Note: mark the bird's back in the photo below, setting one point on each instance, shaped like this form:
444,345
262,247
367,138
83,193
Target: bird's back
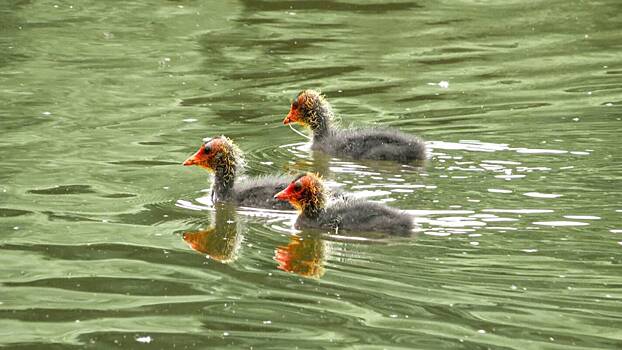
361,215
374,144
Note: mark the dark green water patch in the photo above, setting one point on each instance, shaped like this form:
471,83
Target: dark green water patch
370,8
151,143
45,345
92,252
64,189
143,163
52,216
111,285
120,195
7,212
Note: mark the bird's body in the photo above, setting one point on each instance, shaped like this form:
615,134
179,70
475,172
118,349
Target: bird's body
224,159
312,110
374,144
306,193
358,215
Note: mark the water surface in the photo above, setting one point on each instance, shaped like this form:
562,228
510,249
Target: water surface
518,210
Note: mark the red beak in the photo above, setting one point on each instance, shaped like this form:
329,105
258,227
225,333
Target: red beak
284,195
292,117
195,158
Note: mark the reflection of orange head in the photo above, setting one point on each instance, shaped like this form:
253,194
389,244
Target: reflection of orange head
303,256
219,245
305,193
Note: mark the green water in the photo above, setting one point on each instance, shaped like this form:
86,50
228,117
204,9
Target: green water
518,210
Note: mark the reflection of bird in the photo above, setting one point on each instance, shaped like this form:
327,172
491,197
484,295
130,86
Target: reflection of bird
303,255
220,242
306,193
222,157
312,110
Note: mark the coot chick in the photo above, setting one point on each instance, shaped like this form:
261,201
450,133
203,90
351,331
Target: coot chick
306,193
311,109
224,159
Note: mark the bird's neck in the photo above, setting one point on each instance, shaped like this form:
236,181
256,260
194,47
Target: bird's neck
319,121
222,189
314,206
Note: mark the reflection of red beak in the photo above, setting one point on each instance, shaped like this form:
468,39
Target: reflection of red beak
292,117
284,195
195,158
283,256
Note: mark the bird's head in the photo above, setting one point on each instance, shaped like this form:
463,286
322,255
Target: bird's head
310,109
216,154
305,193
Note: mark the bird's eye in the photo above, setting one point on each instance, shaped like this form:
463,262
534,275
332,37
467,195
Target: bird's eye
207,148
295,104
297,186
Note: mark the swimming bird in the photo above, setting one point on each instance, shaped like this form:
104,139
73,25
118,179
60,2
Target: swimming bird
312,110
307,194
224,159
